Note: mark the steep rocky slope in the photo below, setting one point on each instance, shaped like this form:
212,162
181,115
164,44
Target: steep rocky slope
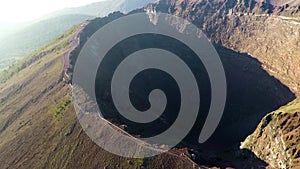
244,75
268,32
273,40
38,124
282,2
265,32
39,129
276,140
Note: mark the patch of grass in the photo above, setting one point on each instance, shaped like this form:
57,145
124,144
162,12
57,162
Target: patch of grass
135,163
293,106
61,107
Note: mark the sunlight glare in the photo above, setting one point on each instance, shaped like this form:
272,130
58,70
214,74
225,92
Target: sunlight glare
13,11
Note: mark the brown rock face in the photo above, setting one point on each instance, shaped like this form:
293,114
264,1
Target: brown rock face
268,31
272,40
282,2
42,118
276,140
248,27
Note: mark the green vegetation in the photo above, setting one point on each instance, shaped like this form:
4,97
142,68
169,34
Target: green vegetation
279,131
135,163
40,128
61,107
57,47
293,106
35,36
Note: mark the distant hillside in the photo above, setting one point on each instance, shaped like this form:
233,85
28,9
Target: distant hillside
259,48
8,28
35,36
29,38
103,8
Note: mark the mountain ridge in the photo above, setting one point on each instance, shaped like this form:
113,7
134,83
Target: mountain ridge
45,115
52,125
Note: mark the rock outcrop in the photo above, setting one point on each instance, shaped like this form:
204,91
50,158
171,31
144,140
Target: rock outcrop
266,32
276,140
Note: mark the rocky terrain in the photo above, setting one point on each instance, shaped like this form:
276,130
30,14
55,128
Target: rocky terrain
254,30
258,29
276,139
259,45
282,2
270,33
38,124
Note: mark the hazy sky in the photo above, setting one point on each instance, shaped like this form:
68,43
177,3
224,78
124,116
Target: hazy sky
14,11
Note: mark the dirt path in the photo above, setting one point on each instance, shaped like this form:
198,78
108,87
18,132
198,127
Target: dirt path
75,41
292,20
172,153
